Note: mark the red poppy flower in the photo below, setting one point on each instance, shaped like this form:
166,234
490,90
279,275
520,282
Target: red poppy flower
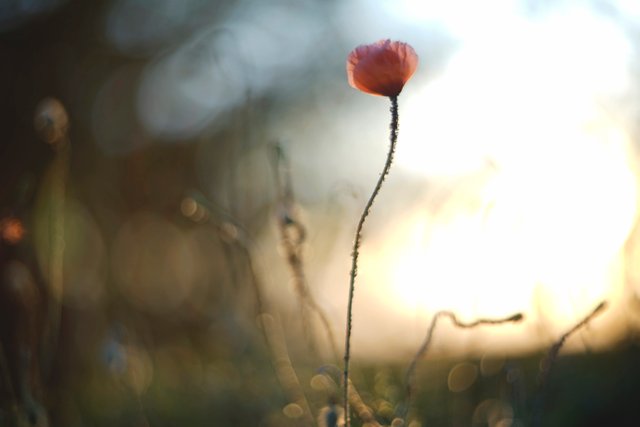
381,68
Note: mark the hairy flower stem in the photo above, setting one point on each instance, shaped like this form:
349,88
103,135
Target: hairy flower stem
393,138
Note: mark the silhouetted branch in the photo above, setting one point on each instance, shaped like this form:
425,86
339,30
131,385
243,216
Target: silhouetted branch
410,375
551,357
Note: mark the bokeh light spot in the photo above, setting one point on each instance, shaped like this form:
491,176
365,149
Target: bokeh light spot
462,376
293,410
12,230
155,263
494,413
320,383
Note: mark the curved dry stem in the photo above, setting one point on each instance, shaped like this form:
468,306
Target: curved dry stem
552,355
286,373
393,138
410,375
292,236
269,325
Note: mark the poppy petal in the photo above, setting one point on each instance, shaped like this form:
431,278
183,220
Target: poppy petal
381,68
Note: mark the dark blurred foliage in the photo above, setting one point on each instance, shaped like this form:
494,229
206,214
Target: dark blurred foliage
205,364
585,390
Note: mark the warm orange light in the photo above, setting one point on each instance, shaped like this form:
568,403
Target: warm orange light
381,68
12,230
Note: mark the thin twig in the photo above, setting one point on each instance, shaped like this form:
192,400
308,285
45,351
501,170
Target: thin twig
288,223
235,236
292,237
411,370
393,138
552,356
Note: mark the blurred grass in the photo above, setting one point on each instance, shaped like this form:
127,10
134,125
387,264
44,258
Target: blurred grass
584,390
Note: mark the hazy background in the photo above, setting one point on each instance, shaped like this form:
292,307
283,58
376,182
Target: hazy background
515,186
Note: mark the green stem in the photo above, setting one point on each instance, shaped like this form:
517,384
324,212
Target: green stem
393,138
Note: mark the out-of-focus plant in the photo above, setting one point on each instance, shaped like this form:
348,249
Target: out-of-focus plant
51,121
292,238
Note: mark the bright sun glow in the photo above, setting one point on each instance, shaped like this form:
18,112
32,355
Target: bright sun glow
555,227
544,225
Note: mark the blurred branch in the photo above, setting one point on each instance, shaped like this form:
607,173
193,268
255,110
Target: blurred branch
410,376
365,413
230,232
234,233
51,122
292,237
284,368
